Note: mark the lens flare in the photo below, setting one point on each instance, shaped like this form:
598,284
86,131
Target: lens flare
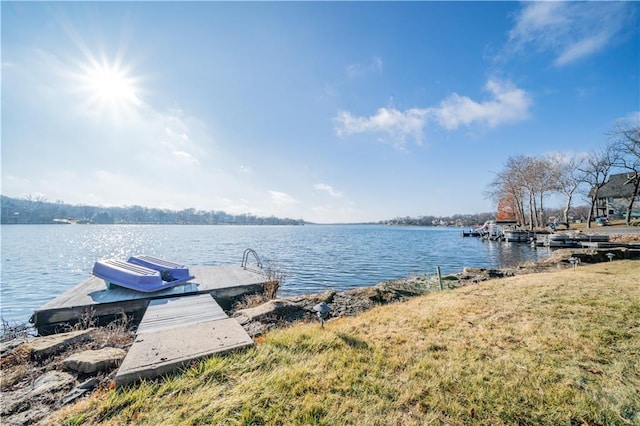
110,90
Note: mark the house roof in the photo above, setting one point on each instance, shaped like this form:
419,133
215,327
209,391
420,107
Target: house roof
618,186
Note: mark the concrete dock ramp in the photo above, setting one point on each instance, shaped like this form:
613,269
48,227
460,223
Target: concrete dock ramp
176,331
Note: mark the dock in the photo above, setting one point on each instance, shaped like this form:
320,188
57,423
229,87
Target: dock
570,240
606,244
176,331
92,299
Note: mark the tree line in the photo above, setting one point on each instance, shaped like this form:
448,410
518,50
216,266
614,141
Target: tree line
37,210
522,187
460,220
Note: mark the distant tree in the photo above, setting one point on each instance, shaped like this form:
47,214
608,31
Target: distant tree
507,185
543,183
595,170
580,212
525,181
87,212
567,176
102,218
35,209
625,139
506,209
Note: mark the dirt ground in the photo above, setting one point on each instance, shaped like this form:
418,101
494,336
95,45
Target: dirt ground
625,238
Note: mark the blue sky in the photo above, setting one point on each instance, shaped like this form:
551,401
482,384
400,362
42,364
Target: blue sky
326,111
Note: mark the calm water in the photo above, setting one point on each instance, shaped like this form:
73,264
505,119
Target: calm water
43,261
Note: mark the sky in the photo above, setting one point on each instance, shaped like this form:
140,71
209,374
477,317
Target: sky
331,112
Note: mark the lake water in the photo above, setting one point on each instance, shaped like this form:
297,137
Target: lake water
43,261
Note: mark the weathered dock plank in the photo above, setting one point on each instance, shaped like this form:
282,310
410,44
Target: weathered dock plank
92,297
176,331
162,314
596,245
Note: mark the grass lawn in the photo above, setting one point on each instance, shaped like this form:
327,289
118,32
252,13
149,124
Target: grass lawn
560,348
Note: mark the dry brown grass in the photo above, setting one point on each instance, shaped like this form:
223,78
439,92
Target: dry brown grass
274,277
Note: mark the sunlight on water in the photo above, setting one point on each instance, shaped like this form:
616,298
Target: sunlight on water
40,262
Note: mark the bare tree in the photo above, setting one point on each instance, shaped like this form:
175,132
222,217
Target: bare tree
567,176
507,187
595,172
525,182
527,174
537,181
543,182
514,186
625,139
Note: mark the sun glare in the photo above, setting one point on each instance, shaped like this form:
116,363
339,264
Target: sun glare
111,90
112,85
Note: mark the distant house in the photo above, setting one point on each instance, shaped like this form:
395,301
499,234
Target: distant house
614,196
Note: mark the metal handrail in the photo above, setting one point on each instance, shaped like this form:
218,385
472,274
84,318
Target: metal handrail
245,258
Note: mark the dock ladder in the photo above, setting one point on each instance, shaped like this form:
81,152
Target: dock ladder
245,258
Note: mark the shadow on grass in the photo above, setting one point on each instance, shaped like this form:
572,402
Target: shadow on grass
353,342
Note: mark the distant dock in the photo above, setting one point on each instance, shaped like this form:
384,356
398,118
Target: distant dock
92,299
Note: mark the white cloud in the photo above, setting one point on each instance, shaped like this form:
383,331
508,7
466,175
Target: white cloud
582,48
569,30
172,134
186,157
328,189
282,198
538,16
398,125
633,116
508,104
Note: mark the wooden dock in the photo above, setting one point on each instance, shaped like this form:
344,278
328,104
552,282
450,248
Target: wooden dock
91,298
606,244
177,331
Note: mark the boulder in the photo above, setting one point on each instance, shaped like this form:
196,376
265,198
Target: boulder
51,381
275,307
24,406
92,361
9,346
43,347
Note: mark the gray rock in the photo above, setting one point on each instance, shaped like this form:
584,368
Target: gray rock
91,361
31,404
89,384
46,346
278,307
27,417
73,395
256,328
473,271
8,346
51,381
